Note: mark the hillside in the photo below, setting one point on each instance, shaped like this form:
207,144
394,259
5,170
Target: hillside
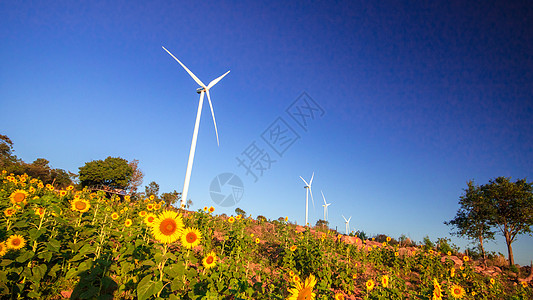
59,244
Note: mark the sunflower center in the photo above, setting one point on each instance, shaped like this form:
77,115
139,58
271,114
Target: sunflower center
15,242
457,291
191,237
305,294
19,197
209,259
80,205
168,226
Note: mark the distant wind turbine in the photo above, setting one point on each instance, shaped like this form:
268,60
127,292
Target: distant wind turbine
325,207
307,192
202,90
347,223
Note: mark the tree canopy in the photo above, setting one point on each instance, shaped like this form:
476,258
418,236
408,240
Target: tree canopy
500,204
113,171
473,218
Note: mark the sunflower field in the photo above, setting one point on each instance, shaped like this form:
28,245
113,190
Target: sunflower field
77,244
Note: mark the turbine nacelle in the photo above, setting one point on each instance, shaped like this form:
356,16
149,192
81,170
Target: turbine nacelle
200,90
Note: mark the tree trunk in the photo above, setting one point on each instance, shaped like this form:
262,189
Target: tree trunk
481,246
509,249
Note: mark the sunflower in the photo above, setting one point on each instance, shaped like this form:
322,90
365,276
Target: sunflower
152,197
385,281
127,198
388,239
295,278
63,193
128,223
257,240
39,211
205,208
150,206
370,285
211,209
238,217
3,249
492,281
466,258
303,290
191,237
293,248
354,276
114,216
18,196
291,273
524,284
286,219
9,212
167,227
15,242
149,219
396,253
457,291
339,296
70,188
437,290
209,260
80,205
142,213
452,272
157,206
231,219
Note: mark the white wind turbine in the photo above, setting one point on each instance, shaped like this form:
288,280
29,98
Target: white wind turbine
202,90
325,206
307,192
347,223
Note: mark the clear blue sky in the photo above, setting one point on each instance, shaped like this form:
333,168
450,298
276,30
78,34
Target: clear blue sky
418,98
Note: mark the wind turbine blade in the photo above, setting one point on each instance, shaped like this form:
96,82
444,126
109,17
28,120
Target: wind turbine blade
311,181
212,83
212,113
349,219
323,198
344,218
304,181
186,69
311,192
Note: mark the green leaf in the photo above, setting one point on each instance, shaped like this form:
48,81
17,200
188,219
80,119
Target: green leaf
25,256
53,245
71,273
147,288
5,262
38,272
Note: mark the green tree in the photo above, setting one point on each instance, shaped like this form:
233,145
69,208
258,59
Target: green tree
8,161
113,171
473,219
151,189
171,198
240,211
511,205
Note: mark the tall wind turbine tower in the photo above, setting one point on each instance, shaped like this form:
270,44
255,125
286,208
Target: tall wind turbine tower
202,90
347,223
307,192
325,205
